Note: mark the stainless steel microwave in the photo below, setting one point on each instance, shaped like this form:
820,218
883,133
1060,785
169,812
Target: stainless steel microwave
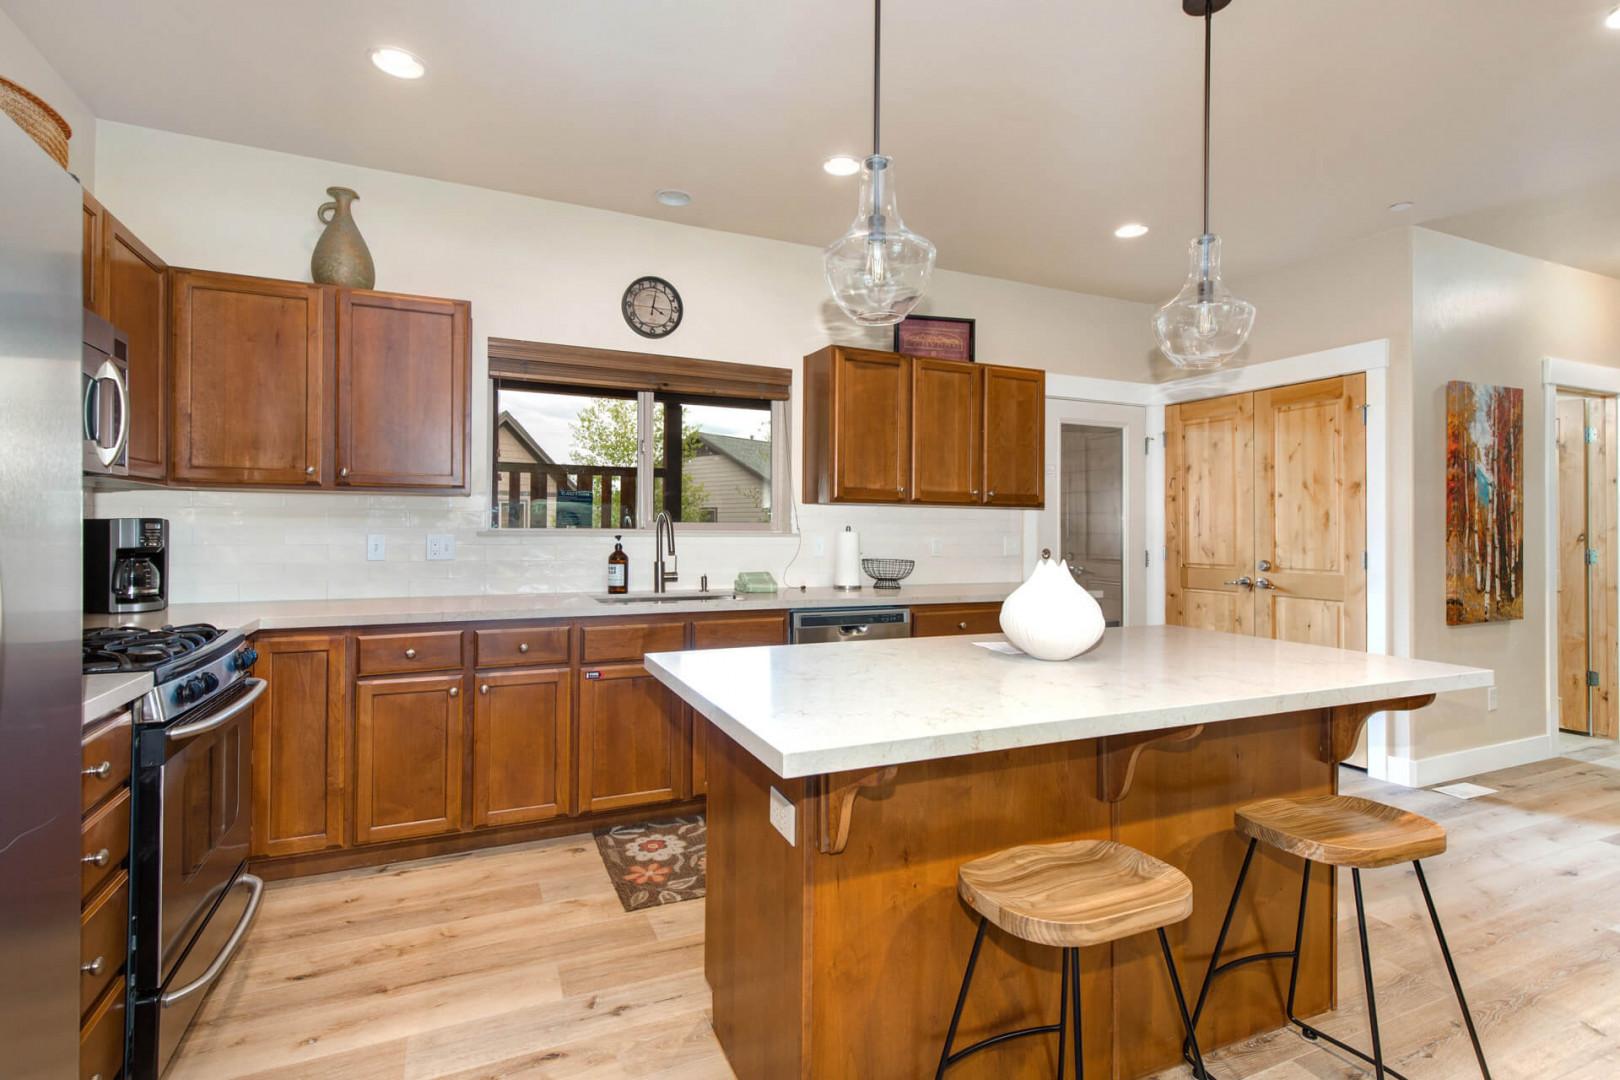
104,405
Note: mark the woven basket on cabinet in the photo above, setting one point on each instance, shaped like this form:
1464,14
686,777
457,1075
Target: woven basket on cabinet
42,123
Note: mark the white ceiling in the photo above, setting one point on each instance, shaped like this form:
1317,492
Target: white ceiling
1022,132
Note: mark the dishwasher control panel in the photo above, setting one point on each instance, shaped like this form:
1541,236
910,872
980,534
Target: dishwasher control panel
851,624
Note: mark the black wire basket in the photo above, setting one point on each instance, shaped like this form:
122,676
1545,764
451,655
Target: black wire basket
888,573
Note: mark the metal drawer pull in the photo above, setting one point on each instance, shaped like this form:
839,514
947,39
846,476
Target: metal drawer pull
100,772
100,858
232,943
961,625
523,646
483,688
309,470
94,967
410,654
455,691
256,687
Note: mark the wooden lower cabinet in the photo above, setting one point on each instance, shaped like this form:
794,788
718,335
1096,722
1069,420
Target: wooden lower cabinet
522,750
943,620
728,632
104,911
632,739
409,734
300,744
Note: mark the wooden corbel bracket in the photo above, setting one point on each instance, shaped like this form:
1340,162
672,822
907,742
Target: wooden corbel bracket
838,804
1117,756
1345,722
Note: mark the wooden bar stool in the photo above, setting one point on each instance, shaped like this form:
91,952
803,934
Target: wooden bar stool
1339,830
1070,895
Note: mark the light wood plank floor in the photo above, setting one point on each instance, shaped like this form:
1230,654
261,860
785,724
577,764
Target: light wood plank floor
520,963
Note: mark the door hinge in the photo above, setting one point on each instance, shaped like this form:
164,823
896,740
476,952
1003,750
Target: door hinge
1147,558
1147,445
1364,558
1364,409
1591,678
1591,435
1591,557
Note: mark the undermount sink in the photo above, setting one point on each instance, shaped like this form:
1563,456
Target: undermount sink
661,598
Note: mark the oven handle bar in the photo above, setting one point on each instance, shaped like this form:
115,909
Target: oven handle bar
255,687
256,885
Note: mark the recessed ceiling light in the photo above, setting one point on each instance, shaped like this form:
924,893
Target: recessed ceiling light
1400,207
673,197
1131,231
398,63
1613,20
841,165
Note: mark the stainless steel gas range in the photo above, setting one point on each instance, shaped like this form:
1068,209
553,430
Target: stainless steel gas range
191,898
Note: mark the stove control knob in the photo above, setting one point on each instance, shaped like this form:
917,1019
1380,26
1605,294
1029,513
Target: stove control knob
246,658
190,690
210,682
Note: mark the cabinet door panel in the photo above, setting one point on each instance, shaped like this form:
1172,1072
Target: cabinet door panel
93,253
1014,436
631,739
249,380
522,757
137,302
871,425
1209,514
300,745
409,732
727,632
946,431
402,391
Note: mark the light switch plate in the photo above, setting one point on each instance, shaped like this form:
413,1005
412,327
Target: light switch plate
784,817
936,546
376,547
1491,699
441,546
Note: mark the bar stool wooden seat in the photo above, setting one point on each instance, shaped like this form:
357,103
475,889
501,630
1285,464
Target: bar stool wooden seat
1338,830
1070,895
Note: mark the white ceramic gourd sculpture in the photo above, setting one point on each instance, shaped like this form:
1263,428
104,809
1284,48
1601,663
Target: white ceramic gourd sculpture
1050,616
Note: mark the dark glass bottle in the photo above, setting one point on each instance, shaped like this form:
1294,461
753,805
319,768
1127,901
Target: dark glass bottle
618,568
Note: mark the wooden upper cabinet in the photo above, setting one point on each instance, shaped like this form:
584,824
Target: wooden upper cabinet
402,382
858,426
1014,436
946,435
93,254
522,750
632,739
300,746
409,736
135,295
251,380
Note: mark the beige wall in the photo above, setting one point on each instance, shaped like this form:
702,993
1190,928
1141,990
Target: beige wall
24,65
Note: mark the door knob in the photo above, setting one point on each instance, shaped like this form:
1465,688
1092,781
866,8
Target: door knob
1263,565
1243,581
1262,583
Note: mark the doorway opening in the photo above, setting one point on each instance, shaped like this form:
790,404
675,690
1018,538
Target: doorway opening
1584,435
1091,489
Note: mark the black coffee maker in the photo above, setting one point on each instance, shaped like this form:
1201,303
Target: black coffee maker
126,565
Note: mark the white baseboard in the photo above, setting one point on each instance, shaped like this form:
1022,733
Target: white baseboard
1444,768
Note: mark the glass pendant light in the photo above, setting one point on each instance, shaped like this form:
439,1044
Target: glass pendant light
879,269
1205,324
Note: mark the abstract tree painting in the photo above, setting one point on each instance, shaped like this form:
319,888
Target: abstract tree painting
1484,503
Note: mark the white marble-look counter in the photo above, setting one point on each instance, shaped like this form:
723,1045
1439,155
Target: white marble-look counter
106,694
251,617
809,709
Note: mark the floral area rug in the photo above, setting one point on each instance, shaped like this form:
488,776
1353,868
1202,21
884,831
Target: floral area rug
656,862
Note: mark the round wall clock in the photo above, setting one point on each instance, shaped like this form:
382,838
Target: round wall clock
652,307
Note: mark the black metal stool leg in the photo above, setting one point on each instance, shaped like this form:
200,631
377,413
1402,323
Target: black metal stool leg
1299,939
1079,1042
1063,1013
961,998
1181,1003
1220,941
1451,969
1367,974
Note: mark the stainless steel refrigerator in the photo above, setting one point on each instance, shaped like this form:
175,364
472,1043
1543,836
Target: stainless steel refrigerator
41,326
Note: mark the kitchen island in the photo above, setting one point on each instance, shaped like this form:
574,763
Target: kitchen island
852,782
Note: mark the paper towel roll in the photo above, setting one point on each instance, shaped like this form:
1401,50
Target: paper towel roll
847,566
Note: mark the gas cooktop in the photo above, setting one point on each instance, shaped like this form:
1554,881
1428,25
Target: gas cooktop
134,648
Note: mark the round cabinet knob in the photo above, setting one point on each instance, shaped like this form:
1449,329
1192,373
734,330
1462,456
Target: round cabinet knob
343,471
410,654
94,967
974,492
100,772
961,625
483,688
523,646
100,858
991,495
309,470
455,691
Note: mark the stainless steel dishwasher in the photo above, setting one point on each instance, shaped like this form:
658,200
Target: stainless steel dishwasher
851,624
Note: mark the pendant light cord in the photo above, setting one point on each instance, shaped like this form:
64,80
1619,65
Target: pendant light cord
877,69
1209,23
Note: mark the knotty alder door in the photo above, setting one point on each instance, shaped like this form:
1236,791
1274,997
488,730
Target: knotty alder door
409,733
1587,611
1265,513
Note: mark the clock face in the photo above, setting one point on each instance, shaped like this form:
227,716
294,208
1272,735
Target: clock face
652,307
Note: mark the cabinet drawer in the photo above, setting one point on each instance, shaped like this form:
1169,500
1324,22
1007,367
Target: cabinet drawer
629,641
389,654
950,619
101,1039
731,632
523,646
103,941
105,842
105,759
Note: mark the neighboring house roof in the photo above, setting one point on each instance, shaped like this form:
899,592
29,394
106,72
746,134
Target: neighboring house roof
752,454
515,426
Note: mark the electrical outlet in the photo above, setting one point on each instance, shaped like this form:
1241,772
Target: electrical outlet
1491,699
783,816
376,547
936,546
441,546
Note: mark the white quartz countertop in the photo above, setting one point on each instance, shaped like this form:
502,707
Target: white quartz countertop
809,709
253,616
106,694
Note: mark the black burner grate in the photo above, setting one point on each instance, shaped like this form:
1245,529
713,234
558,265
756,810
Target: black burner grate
133,648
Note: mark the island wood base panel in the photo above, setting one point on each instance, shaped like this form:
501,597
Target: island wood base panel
847,965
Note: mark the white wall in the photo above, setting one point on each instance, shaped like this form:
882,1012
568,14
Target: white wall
27,67
550,272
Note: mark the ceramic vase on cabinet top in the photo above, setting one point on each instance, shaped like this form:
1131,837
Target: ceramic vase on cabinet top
1050,616
341,256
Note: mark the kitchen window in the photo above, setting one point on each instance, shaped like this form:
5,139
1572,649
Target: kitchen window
596,439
